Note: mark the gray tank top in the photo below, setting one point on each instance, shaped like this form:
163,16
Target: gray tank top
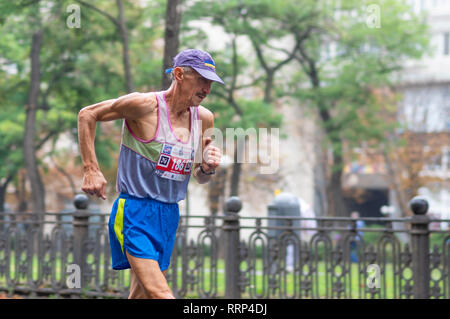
159,168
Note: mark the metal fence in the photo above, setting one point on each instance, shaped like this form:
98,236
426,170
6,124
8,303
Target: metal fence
235,257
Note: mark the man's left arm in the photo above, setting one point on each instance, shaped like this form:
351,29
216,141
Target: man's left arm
211,154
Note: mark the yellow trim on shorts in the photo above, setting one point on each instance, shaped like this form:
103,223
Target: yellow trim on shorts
118,222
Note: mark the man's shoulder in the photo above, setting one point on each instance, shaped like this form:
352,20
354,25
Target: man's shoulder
134,106
206,117
145,99
151,96
205,114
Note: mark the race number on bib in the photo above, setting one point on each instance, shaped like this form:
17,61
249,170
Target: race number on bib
175,162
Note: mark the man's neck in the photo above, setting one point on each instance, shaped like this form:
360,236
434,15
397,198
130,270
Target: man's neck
176,104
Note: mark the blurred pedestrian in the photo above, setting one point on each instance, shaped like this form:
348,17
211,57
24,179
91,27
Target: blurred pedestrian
354,243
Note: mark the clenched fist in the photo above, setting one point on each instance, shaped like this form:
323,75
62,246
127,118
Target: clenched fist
94,183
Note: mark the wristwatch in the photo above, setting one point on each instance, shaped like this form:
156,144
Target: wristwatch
210,173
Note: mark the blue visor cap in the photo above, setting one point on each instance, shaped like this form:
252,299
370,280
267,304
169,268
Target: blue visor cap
200,61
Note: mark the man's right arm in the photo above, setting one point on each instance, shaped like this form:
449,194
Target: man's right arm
131,107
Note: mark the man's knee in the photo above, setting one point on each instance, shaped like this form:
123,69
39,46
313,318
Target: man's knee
150,278
137,291
157,288
155,293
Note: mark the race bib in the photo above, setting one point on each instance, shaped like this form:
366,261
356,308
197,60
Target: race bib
175,162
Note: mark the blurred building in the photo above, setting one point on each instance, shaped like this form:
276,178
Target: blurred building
424,112
426,104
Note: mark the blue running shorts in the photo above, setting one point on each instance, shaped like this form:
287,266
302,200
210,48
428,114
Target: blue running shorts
143,227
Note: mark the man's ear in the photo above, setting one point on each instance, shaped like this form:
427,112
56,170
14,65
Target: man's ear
178,73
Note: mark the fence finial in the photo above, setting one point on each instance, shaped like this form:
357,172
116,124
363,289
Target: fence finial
81,201
419,205
233,204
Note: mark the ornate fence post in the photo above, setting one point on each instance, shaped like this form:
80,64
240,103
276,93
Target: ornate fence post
420,248
232,261
80,233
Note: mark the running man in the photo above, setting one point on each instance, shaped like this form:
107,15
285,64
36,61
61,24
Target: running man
161,136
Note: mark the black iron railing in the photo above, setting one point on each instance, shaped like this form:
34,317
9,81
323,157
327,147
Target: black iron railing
234,257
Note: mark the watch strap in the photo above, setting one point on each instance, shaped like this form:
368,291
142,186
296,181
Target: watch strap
205,173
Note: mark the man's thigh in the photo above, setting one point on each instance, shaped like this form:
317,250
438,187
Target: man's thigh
150,277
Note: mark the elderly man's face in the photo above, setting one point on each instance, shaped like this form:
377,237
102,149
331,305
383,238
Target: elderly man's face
195,87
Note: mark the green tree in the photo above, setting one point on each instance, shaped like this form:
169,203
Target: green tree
33,32
12,98
171,37
119,23
74,71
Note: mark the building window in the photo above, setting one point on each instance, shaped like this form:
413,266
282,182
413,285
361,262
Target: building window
447,43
